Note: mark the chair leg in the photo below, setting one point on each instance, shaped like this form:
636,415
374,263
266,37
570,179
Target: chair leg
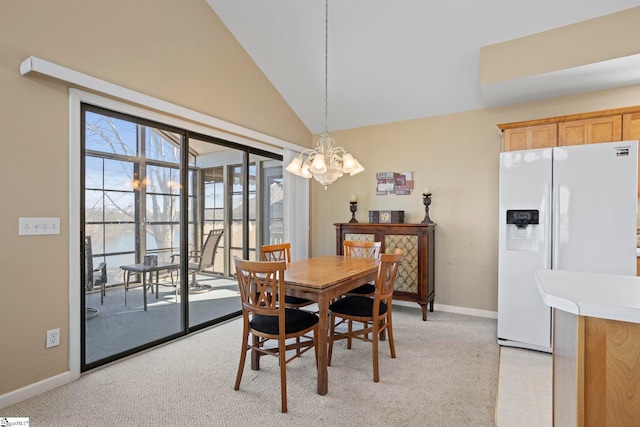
389,329
350,330
283,373
374,341
243,358
332,329
315,345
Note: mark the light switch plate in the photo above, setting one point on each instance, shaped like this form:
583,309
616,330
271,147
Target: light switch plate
35,226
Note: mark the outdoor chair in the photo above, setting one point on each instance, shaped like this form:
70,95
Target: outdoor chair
374,313
94,276
201,260
264,318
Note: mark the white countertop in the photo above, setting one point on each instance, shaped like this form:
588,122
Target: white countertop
606,296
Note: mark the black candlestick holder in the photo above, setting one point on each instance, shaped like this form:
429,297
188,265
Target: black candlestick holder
426,199
353,208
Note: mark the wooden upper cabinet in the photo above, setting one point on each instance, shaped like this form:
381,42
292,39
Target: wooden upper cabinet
631,131
590,131
541,136
631,126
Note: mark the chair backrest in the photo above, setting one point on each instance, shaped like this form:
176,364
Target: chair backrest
93,276
386,278
277,252
209,249
362,249
261,282
88,264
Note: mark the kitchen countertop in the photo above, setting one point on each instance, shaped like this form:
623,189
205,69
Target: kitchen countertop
606,296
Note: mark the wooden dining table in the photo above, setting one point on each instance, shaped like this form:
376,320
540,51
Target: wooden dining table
322,279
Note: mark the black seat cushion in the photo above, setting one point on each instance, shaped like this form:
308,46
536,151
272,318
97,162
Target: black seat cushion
366,289
296,300
356,306
294,321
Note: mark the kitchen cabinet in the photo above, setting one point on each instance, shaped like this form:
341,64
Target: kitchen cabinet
631,131
415,279
584,128
525,138
590,131
596,343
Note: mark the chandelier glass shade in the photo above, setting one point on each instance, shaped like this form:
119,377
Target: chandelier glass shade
326,162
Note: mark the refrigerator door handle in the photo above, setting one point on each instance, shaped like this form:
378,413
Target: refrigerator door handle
555,232
547,226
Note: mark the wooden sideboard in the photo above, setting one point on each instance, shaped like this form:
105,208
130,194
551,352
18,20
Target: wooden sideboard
415,280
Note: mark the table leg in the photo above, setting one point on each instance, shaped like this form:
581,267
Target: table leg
321,342
126,286
157,282
144,289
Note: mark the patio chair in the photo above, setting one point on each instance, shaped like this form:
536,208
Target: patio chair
94,277
374,313
261,284
201,260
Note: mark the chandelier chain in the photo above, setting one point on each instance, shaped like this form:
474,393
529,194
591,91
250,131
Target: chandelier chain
326,66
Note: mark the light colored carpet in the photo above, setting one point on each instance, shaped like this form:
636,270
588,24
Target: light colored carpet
445,374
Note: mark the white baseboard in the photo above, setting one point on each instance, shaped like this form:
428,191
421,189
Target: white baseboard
34,389
453,309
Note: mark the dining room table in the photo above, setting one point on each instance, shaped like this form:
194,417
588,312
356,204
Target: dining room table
323,279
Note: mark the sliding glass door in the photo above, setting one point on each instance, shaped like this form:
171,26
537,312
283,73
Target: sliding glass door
164,211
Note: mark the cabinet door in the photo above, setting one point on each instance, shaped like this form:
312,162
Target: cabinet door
590,131
631,131
541,136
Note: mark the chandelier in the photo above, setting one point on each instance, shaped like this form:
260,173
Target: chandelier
326,162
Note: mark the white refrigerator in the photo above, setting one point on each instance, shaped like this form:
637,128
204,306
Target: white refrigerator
564,208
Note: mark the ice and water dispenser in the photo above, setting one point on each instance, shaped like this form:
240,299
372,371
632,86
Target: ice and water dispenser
522,230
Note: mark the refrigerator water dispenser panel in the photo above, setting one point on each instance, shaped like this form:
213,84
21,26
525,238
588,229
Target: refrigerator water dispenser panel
521,235
522,218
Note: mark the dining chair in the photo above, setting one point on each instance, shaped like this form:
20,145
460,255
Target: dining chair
374,313
282,252
265,319
362,250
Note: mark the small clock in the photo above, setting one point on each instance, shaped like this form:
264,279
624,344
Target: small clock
385,216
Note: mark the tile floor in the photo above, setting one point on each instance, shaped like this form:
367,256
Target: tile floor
524,390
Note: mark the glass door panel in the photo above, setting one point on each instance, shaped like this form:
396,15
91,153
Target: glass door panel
212,290
132,229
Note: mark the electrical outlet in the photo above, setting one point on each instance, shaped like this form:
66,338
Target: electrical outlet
53,337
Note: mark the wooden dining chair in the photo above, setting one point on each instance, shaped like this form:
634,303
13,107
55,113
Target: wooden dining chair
362,250
374,313
265,319
282,252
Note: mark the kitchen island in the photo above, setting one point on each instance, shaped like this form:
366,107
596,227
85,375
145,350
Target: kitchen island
596,347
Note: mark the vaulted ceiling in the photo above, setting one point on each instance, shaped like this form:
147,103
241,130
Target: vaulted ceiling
388,60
